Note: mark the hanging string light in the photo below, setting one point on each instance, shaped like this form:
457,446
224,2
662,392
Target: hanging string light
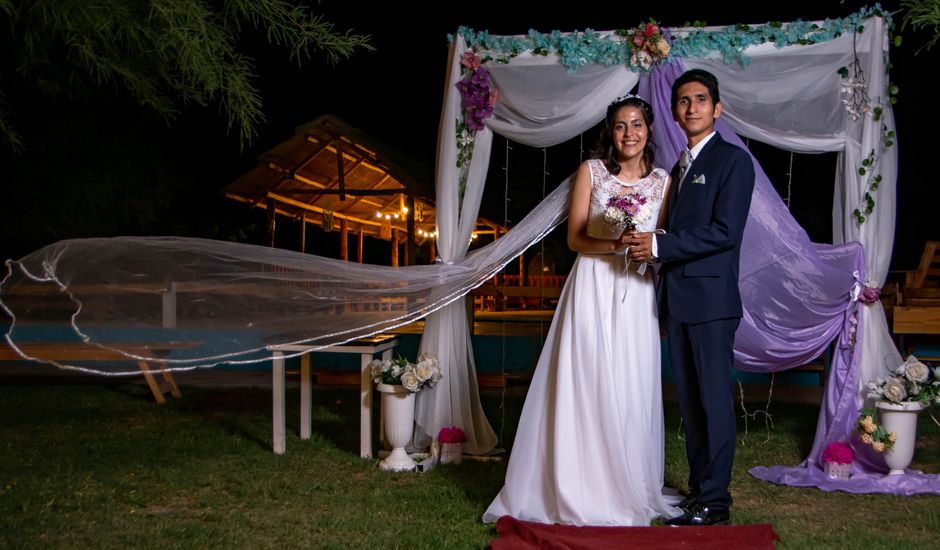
502,363
789,179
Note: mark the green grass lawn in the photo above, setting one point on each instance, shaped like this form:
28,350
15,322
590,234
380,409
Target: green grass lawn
103,467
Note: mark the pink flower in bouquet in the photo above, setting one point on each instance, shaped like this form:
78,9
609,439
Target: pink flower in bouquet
838,452
452,435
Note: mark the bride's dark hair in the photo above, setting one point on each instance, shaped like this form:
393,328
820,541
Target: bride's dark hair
605,143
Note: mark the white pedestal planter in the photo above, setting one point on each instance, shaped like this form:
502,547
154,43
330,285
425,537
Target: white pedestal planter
398,415
902,420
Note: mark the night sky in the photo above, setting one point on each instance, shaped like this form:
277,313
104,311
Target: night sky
166,179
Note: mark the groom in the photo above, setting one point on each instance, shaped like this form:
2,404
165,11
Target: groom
698,290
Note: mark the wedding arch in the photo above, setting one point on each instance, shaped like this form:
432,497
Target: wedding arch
801,86
804,87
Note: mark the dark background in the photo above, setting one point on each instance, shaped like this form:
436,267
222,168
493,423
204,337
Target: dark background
100,165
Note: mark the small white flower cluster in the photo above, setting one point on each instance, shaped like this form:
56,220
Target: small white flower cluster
911,381
857,103
413,376
642,58
465,141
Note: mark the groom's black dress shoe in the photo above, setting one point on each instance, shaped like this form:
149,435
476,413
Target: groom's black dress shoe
700,514
687,503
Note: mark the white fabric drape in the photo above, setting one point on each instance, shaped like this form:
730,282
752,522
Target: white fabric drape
543,105
788,97
455,401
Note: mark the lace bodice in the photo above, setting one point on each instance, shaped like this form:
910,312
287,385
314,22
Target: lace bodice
604,186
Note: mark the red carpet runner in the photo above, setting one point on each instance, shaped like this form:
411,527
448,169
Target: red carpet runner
515,535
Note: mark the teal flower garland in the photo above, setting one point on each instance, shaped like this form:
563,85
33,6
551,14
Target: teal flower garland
577,49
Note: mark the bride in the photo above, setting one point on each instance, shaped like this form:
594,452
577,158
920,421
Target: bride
589,446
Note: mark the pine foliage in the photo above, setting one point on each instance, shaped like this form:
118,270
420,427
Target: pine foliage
923,15
163,53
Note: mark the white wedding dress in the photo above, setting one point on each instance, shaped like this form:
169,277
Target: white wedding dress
589,445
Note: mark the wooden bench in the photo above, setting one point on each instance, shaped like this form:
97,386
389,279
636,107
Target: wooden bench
918,309
80,351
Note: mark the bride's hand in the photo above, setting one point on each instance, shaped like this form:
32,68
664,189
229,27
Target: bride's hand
640,245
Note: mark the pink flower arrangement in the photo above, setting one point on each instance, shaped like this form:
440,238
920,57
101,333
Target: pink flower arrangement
869,295
476,92
839,453
451,435
647,45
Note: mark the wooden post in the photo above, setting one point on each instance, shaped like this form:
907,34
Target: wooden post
303,232
433,250
169,306
394,247
521,269
410,242
340,172
271,222
343,239
496,278
359,252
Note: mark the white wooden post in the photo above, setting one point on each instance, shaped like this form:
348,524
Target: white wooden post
277,393
169,306
305,397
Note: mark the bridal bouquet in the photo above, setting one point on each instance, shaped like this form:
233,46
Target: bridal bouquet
626,212
413,376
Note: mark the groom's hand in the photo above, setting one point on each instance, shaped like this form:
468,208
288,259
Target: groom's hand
640,245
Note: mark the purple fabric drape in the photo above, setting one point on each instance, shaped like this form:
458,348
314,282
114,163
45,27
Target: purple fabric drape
798,297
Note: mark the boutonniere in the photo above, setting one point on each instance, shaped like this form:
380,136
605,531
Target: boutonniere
699,179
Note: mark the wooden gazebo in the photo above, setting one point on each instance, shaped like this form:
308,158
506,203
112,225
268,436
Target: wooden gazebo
340,178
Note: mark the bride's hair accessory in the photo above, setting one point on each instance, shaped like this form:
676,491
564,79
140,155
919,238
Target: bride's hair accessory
625,97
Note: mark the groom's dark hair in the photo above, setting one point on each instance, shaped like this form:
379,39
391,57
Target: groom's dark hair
701,76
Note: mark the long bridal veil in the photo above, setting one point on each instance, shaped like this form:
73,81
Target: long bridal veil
214,302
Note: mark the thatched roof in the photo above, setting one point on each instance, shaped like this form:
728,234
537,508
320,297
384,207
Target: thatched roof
302,177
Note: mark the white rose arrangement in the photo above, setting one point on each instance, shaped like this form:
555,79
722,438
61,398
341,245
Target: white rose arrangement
911,381
413,376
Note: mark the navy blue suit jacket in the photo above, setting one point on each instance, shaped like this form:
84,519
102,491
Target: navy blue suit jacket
701,249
